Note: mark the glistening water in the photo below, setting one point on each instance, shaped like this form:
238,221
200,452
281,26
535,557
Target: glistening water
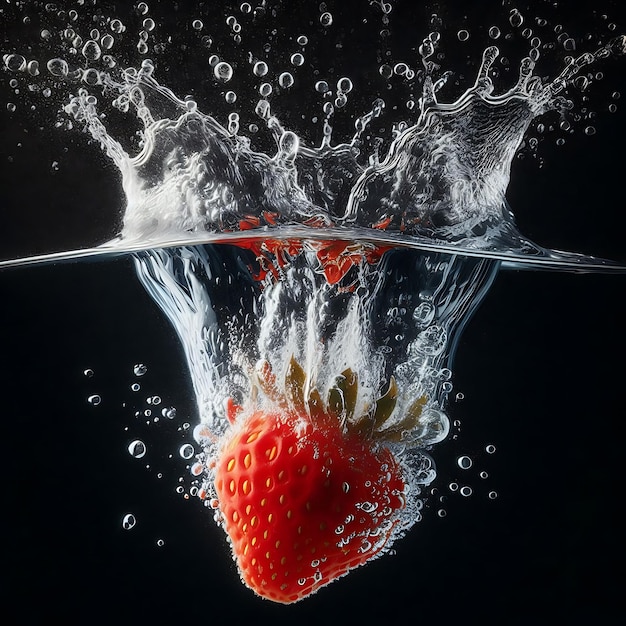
350,209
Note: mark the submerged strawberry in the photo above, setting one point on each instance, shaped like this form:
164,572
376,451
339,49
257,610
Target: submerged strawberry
304,501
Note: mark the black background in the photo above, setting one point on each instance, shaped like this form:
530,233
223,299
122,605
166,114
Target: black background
540,364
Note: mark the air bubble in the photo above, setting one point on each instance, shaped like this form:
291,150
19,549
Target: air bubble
303,40
285,80
137,449
297,59
94,400
149,24
590,130
223,71
265,89
160,543
516,19
493,495
321,86
260,68
107,42
197,24
117,26
186,451
341,100
441,513
344,85
135,387
490,448
466,491
569,44
11,107
33,68
88,373
401,69
463,35
326,19
385,70
58,67
128,521
245,8
230,97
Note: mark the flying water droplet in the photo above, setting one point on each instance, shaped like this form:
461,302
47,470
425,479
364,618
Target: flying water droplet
137,449
128,521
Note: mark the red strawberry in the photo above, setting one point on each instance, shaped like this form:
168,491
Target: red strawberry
303,503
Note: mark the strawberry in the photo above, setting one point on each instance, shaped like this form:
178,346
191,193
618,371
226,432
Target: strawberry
304,500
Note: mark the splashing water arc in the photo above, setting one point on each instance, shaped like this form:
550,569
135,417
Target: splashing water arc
318,289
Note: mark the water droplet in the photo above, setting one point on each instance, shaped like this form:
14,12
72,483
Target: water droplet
117,26
493,495
326,19
265,89
453,487
490,448
464,462
494,32
149,24
186,451
441,513
128,521
245,8
135,387
169,412
223,71
303,40
160,543
139,369
484,475
460,396
590,130
463,35
11,107
88,373
95,400
466,491
137,449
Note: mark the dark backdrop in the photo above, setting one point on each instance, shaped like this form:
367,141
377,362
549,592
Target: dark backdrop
540,365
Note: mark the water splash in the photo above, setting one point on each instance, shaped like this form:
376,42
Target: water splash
441,182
